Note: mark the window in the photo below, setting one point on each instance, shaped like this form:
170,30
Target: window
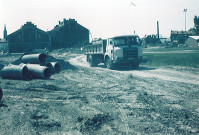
119,41
127,40
110,41
132,40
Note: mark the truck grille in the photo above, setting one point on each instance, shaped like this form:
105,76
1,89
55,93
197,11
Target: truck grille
131,53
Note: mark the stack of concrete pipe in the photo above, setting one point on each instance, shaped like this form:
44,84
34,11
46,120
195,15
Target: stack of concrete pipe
32,66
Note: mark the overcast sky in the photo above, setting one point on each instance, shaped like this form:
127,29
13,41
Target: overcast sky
104,18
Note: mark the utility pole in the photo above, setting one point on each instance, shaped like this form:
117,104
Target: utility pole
185,11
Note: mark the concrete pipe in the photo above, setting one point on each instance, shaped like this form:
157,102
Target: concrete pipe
34,59
15,72
56,67
1,93
37,71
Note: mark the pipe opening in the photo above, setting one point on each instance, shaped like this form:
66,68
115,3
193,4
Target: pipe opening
57,67
47,73
42,57
25,72
49,65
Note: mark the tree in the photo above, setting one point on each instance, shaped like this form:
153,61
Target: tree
196,24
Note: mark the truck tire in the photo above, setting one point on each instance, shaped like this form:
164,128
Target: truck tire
92,61
1,93
109,63
135,65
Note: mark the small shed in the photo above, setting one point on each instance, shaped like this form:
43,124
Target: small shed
3,45
192,41
28,38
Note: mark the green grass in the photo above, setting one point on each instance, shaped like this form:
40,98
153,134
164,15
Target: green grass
163,49
171,59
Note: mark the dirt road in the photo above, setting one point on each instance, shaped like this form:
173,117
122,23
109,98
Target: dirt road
84,100
185,76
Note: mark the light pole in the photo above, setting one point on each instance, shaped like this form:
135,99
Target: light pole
185,11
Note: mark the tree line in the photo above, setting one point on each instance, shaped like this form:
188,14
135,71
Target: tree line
196,24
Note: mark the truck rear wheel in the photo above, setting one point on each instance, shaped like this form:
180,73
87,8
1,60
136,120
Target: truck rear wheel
135,65
109,63
92,61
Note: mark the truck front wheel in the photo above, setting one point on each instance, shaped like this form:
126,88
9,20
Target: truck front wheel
109,63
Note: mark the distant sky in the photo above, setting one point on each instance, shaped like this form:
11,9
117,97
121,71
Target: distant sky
104,18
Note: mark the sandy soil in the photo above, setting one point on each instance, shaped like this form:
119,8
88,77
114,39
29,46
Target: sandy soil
85,100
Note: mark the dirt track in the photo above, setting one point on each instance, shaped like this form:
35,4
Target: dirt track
84,100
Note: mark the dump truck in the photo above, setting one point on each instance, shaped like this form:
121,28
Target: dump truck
114,52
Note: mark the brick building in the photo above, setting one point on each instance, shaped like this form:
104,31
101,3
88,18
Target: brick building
68,33
28,38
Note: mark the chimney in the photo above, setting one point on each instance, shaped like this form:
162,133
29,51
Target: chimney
158,34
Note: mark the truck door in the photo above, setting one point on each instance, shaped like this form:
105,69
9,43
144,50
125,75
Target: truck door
109,48
104,45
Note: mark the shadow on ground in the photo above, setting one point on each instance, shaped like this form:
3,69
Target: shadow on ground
128,68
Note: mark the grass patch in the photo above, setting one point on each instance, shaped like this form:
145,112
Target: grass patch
163,49
171,59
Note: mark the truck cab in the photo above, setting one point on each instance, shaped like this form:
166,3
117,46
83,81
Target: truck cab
123,50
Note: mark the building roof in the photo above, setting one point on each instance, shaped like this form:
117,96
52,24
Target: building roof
27,25
134,35
194,37
183,32
154,36
64,23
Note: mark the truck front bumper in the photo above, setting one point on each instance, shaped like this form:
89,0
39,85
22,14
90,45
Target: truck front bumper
126,60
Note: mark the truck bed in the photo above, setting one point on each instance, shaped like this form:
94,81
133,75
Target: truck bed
95,48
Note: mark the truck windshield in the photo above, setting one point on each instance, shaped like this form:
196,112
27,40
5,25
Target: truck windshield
123,41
